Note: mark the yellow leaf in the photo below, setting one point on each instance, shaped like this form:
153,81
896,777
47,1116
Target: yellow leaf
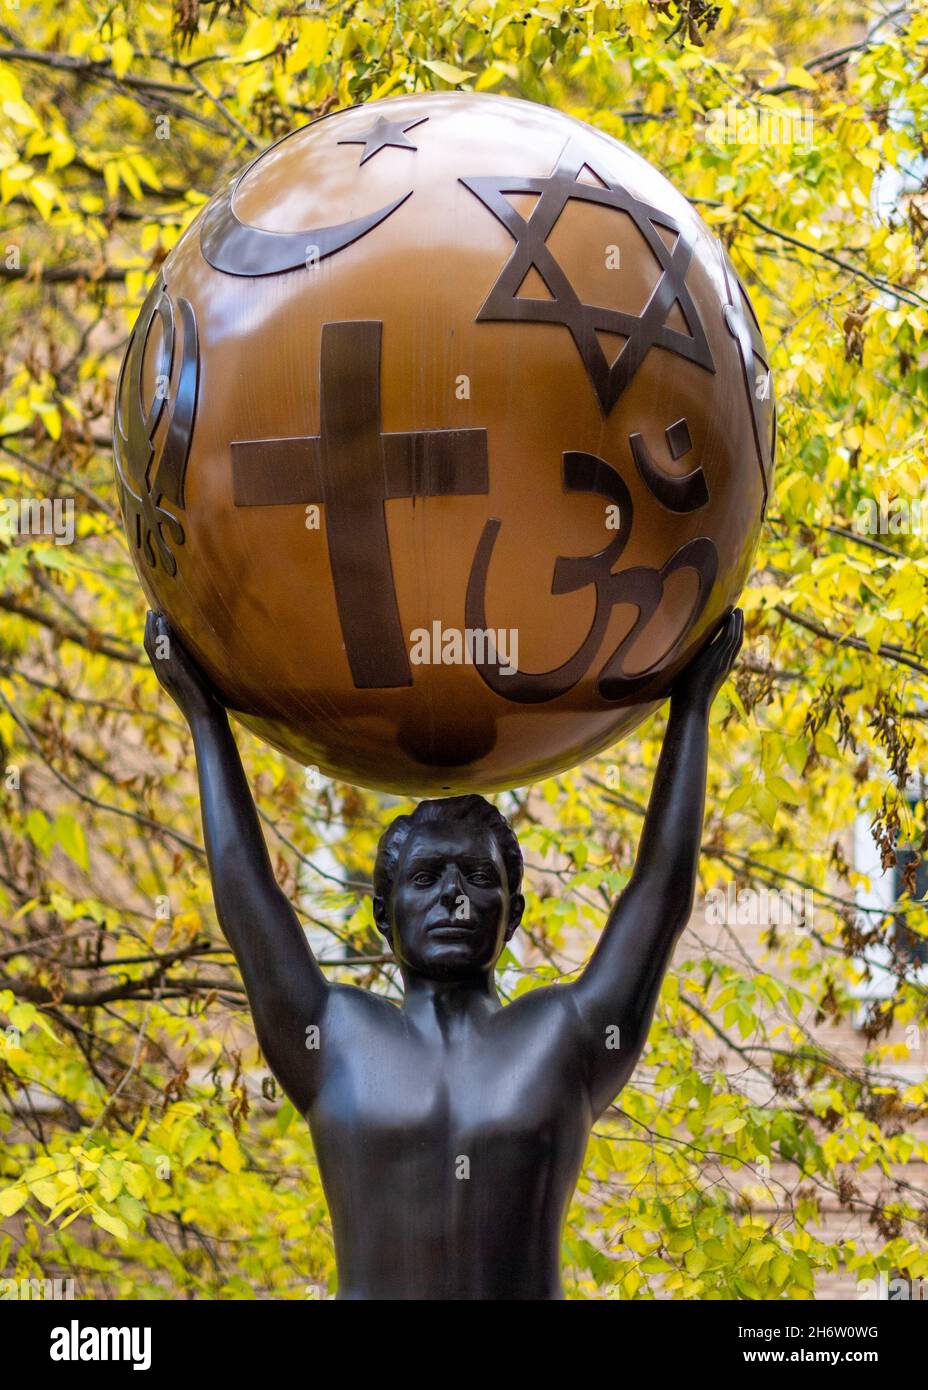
314,41
10,89
137,1179
111,1223
13,423
130,178
636,1240
448,73
782,790
12,1199
21,114
766,804
44,194
490,77
230,1155
122,55
739,797
798,77
46,1190
145,170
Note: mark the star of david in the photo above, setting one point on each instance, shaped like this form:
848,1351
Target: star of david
642,332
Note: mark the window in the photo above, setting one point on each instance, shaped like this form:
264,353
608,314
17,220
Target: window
878,898
910,943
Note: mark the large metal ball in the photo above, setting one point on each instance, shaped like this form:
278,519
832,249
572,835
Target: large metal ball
443,439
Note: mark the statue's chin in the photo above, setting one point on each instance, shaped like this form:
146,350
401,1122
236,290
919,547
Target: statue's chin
451,962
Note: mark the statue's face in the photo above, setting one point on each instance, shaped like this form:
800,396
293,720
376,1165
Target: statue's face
450,913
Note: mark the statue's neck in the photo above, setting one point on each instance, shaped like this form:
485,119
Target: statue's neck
446,1006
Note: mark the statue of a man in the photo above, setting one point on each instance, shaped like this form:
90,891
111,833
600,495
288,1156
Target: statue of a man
450,1131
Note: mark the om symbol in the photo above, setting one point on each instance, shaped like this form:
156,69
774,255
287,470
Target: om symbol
641,586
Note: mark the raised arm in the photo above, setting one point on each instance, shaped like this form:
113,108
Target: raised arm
285,987
618,990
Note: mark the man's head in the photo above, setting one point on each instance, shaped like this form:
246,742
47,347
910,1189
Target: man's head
446,887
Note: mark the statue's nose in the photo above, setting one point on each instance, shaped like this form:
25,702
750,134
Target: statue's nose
450,884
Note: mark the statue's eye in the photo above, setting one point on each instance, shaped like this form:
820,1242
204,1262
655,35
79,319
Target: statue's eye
480,876
423,878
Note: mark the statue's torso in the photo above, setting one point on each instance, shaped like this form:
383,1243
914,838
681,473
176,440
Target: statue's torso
448,1165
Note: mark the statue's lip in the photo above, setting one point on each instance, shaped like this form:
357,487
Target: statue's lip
446,925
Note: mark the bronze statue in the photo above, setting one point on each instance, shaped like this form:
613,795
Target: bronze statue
450,1131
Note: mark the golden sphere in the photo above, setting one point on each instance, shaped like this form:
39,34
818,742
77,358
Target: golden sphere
443,439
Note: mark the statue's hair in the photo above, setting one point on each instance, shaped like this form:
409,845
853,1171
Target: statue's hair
453,810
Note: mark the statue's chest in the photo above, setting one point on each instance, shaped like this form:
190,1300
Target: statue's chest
404,1099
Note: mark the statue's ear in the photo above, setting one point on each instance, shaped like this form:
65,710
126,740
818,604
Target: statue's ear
516,908
380,915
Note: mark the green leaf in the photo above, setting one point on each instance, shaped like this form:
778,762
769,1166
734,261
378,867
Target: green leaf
70,836
782,790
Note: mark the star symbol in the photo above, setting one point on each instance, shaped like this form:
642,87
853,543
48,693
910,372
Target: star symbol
383,133
565,307
747,335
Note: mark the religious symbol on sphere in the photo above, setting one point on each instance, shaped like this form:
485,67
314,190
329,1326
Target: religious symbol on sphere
678,494
352,468
644,331
236,248
641,586
383,133
755,369
146,476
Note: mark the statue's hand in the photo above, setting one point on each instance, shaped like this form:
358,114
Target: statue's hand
176,669
700,681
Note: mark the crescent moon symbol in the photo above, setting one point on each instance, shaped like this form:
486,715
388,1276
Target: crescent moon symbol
238,249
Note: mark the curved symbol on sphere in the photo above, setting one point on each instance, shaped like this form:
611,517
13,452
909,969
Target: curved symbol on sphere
644,587
644,331
678,494
755,369
145,482
236,248
641,586
582,473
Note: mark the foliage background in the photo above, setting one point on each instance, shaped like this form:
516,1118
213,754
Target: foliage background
138,1154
